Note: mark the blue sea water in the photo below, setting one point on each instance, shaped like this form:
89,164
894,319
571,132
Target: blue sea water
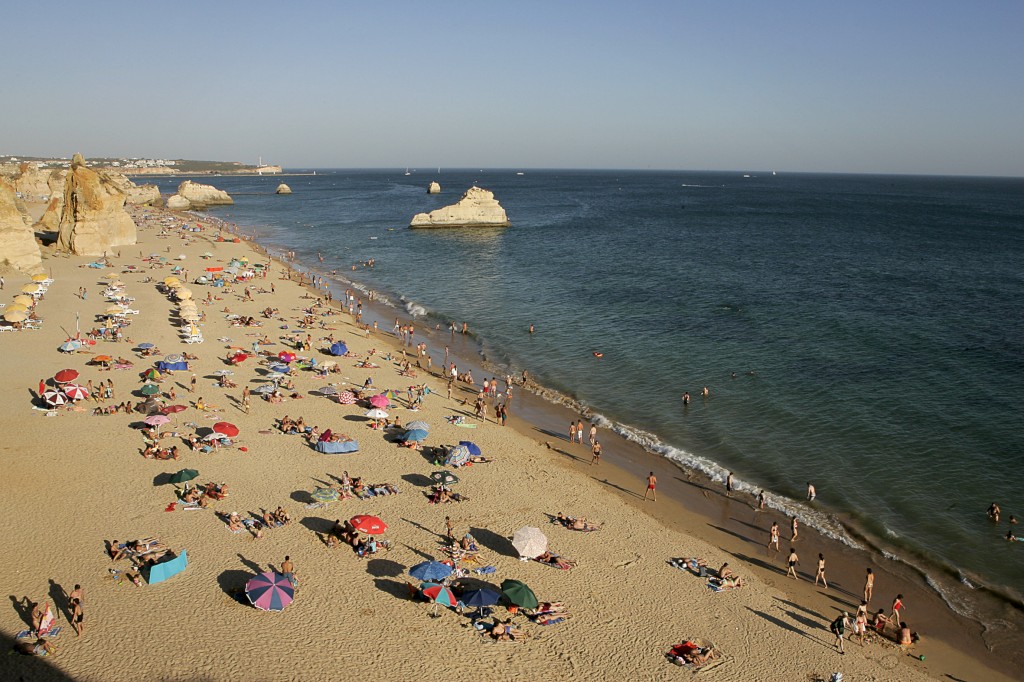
873,323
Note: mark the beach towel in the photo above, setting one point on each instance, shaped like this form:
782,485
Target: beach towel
53,632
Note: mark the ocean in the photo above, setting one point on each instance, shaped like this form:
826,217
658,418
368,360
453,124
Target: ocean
863,333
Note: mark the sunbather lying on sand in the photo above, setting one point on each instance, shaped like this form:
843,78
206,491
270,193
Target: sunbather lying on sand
726,583
555,560
505,632
691,653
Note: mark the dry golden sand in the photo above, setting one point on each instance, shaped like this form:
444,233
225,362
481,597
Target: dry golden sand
72,480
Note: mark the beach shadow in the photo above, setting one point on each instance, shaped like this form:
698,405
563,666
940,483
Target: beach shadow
232,582
699,486
25,667
162,479
59,595
24,608
847,604
250,564
396,588
418,480
414,524
766,565
800,607
384,568
735,534
608,483
553,434
301,496
317,524
419,552
494,542
805,621
784,625
748,525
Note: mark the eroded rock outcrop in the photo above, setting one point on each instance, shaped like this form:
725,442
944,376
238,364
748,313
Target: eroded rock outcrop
176,202
92,215
283,189
199,196
136,195
434,188
18,246
476,208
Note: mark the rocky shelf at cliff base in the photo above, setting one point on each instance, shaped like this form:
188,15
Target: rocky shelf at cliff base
476,208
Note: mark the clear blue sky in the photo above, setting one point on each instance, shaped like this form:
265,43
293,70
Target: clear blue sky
902,86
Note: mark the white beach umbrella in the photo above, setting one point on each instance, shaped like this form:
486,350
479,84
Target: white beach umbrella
530,542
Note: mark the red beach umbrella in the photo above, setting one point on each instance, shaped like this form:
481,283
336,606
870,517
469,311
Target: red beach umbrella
65,376
54,397
214,269
346,398
371,525
174,409
226,428
74,392
237,358
286,356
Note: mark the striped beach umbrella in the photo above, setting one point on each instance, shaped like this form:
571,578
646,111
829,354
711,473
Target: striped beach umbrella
74,392
270,591
346,398
439,594
418,424
54,397
457,456
324,495
70,346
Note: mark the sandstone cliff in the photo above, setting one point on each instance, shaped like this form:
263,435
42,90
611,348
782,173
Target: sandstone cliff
198,196
476,208
434,188
283,189
135,194
92,217
18,246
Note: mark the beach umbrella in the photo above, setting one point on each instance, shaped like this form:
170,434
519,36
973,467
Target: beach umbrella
183,293
457,456
439,594
482,597
377,413
473,448
182,476
519,593
74,392
390,394
530,542
54,396
102,359
324,495
147,346
380,401
286,356
430,571
338,348
280,369
173,409
415,436
115,310
265,388
371,525
270,591
214,268
150,389
157,419
191,317
231,270
328,390
17,308
151,374
207,254
418,424
346,398
226,428
31,289
65,376
15,316
171,281
39,277
215,436
444,477
224,373
237,358
174,358
24,299
70,346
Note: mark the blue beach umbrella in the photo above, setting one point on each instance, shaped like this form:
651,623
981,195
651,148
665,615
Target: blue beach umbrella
473,448
481,597
457,456
283,369
430,571
338,348
146,346
70,346
415,435
418,424
270,591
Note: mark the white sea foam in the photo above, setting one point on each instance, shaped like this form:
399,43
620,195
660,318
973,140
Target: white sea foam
952,601
415,309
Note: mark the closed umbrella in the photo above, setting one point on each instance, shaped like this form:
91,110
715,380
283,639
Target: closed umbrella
338,348
418,424
65,376
444,477
226,428
519,593
371,525
430,571
182,476
530,542
270,591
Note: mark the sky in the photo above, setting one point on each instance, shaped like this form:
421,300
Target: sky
930,87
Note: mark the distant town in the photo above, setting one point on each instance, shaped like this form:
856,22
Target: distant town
141,166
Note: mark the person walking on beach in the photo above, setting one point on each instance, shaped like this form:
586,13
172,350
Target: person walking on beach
728,483
869,586
192,384
821,571
794,525
596,452
897,607
793,561
761,500
77,615
579,432
838,628
773,537
811,492
449,529
652,481
572,428
593,433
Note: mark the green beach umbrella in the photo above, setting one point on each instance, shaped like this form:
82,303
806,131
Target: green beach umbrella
150,389
184,475
519,594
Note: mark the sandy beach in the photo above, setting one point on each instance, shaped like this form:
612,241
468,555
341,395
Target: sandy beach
73,481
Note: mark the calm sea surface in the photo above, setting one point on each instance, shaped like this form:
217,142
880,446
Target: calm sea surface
874,324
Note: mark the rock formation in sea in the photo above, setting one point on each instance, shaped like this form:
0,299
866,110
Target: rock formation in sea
198,196
18,246
434,188
283,189
92,215
136,194
476,208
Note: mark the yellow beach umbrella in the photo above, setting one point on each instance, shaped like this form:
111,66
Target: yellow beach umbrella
112,275
39,278
171,280
15,316
190,317
184,293
24,299
115,310
17,308
30,289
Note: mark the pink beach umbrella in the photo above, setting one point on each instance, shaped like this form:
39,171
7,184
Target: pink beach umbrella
157,419
346,398
270,591
380,401
286,356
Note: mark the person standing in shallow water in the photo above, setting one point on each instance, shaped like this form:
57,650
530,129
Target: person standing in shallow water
811,492
869,586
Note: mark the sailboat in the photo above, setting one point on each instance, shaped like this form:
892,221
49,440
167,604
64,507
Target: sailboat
407,171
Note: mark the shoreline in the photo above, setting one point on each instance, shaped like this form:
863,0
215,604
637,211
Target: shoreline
700,499
617,592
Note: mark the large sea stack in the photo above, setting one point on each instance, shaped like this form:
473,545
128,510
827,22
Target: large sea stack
92,218
476,208
18,246
194,195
